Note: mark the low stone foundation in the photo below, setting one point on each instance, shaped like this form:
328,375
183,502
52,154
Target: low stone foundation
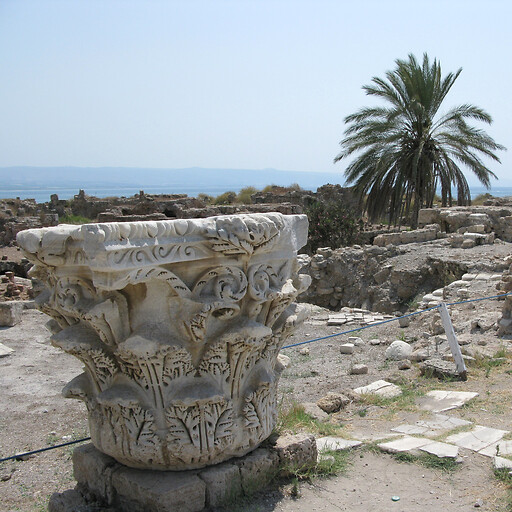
105,484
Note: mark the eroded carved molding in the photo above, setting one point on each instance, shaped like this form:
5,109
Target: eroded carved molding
178,325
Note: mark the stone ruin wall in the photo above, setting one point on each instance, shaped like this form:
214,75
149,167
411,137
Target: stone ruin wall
377,285
17,215
366,277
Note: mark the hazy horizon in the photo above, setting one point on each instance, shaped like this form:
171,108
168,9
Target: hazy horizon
226,84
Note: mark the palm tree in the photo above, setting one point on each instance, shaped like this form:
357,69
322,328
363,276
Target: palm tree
406,150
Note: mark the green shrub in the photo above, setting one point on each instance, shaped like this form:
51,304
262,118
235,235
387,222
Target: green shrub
74,219
205,198
226,198
332,225
244,196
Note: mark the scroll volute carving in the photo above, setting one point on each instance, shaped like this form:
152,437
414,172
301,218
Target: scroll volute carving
178,325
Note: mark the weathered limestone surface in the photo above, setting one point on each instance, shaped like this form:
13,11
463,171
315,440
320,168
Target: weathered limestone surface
296,452
10,313
104,484
178,324
505,286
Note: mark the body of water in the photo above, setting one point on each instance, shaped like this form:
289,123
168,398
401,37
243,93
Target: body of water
42,194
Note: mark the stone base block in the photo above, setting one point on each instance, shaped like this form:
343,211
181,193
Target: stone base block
67,501
10,313
105,484
297,453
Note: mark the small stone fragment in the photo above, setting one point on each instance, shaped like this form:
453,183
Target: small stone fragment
359,369
404,321
333,402
404,365
381,388
398,350
5,351
304,351
478,503
347,348
283,360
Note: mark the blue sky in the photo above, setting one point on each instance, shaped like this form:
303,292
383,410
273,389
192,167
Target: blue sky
225,83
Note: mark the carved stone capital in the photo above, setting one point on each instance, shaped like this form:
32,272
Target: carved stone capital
178,324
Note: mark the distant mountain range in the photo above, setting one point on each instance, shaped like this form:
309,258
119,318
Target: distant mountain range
196,177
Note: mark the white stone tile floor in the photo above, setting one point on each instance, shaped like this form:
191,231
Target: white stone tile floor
478,438
441,450
381,388
505,448
413,444
437,425
335,443
501,463
440,401
405,444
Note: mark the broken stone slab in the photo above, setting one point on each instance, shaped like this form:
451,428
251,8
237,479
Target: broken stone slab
415,445
433,427
336,444
440,400
501,463
5,350
441,450
311,409
10,313
405,444
380,388
374,437
420,354
337,321
478,438
441,369
499,448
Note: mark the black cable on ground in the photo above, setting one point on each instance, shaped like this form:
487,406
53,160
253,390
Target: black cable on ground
33,452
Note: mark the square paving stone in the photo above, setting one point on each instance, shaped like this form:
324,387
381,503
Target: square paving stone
505,448
438,424
406,444
381,388
501,463
410,429
335,443
478,438
440,400
441,450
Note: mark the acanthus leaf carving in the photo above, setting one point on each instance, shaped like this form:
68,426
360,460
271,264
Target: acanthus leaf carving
184,374
244,235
